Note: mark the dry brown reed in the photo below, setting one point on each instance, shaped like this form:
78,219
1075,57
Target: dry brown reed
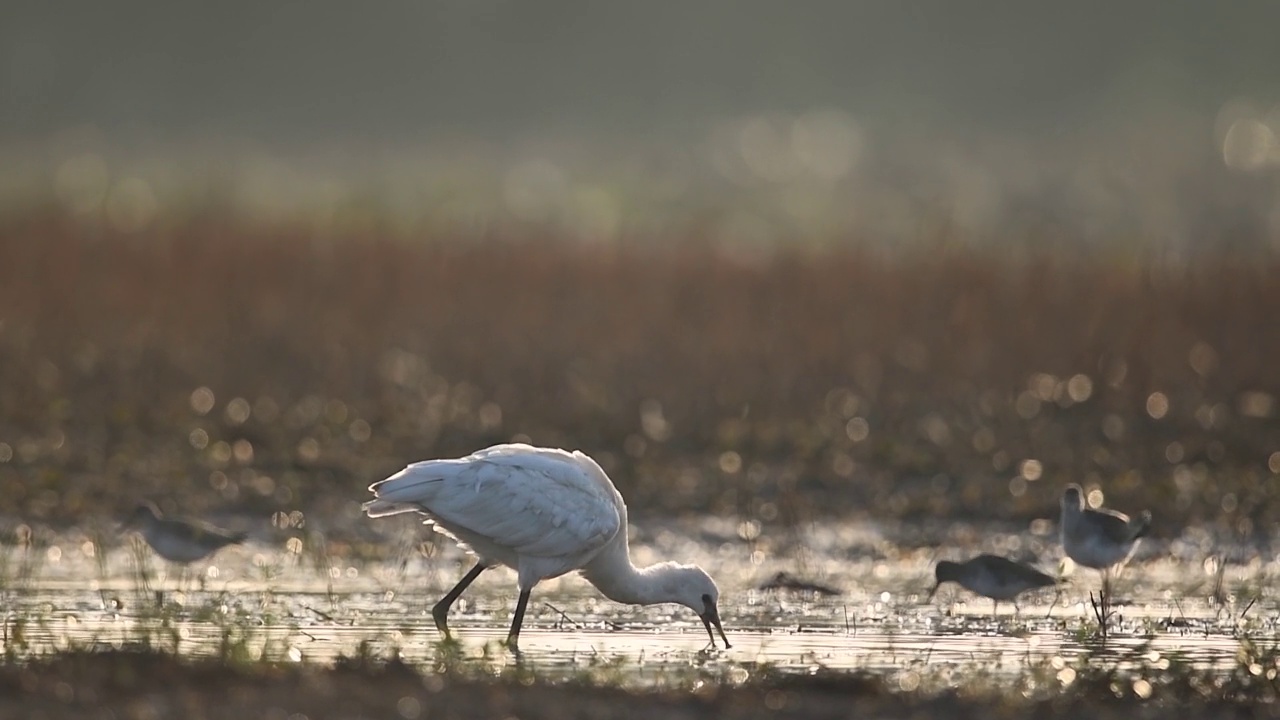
846,380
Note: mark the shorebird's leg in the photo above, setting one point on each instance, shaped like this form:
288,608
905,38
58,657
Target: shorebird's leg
441,610
160,591
513,637
1105,601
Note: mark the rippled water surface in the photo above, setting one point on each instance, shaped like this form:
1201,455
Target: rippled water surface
298,597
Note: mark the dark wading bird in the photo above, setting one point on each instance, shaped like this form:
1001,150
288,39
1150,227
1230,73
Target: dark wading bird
1100,539
784,580
542,512
991,576
179,541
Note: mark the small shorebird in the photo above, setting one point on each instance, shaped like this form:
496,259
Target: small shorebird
542,512
991,576
1098,538
179,541
784,580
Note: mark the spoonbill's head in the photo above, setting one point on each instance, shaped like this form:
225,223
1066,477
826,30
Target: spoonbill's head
143,515
946,571
1073,498
692,587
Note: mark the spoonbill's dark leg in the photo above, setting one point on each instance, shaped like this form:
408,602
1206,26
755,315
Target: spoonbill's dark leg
441,611
517,620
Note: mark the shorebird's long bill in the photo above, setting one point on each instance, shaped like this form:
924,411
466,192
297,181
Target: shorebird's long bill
933,590
711,616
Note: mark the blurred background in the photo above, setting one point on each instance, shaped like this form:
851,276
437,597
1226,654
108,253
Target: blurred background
897,259
1143,122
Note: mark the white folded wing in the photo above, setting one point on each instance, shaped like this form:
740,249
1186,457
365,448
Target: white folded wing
512,500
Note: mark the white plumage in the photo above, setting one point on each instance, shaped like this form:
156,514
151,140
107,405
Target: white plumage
543,512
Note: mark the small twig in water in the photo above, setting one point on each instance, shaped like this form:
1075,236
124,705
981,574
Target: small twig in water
1252,600
564,617
1219,595
323,615
1101,610
846,619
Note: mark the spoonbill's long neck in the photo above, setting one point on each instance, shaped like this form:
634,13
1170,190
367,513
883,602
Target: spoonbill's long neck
613,574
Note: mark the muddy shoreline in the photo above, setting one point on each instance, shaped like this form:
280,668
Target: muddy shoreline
134,684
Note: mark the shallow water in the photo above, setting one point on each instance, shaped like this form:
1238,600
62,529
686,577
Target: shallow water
308,600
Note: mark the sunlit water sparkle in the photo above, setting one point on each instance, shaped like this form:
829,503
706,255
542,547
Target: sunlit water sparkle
299,606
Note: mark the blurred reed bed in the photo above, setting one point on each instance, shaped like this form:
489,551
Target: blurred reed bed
262,368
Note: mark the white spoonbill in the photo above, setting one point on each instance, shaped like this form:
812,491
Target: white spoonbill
543,512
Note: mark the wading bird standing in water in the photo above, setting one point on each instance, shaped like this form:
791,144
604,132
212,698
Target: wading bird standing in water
543,512
991,576
177,540
1099,539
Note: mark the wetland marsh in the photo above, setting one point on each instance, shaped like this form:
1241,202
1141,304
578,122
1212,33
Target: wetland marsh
775,423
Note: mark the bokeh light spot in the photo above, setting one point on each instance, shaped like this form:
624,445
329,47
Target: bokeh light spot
857,429
202,400
237,411
1032,469
1157,405
1079,388
1095,498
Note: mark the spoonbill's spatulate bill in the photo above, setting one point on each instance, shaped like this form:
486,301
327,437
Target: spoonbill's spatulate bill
543,512
991,576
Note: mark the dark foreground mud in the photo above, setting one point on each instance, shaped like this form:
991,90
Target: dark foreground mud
128,685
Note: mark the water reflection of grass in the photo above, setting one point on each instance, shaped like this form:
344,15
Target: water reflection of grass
370,683
259,655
